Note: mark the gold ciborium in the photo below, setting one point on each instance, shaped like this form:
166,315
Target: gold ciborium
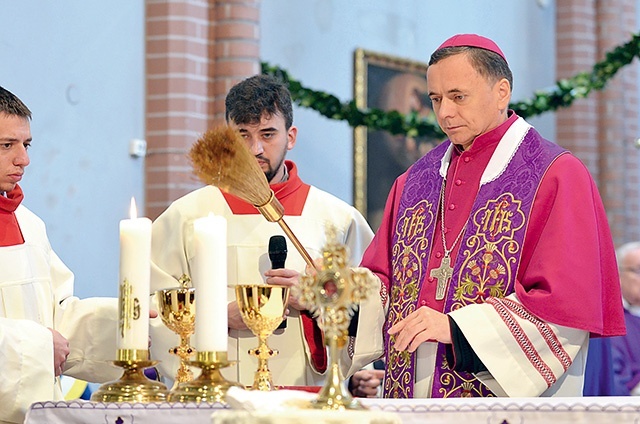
178,312
262,308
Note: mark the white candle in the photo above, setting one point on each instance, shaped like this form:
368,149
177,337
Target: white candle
135,270
210,283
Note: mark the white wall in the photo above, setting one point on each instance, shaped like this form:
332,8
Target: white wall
79,67
314,41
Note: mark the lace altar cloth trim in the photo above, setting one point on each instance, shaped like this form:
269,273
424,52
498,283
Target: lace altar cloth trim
519,406
80,404
411,411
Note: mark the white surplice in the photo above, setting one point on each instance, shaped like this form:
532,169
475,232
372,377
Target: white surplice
36,293
247,240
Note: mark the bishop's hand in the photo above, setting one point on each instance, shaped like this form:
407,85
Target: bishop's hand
421,325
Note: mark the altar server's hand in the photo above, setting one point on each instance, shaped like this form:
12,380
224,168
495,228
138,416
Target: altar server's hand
60,352
419,326
365,383
286,278
234,317
152,314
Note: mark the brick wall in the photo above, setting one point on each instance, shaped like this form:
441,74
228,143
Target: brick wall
236,50
195,51
601,129
576,51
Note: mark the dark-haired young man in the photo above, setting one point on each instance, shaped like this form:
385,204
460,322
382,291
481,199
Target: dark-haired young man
261,108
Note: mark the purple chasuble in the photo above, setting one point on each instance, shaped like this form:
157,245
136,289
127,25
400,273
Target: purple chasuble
486,265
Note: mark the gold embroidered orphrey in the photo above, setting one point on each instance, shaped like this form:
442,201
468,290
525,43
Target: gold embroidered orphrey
444,272
490,259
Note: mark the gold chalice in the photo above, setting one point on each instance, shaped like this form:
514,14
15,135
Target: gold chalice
262,308
178,313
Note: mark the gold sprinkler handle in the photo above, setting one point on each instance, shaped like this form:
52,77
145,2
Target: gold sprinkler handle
273,211
297,244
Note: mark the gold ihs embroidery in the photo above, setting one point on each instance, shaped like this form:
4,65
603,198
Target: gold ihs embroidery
498,219
413,225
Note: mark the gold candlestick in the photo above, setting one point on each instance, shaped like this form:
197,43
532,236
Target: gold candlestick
210,386
332,294
133,386
262,308
178,311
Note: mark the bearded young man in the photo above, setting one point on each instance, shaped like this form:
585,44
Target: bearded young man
261,109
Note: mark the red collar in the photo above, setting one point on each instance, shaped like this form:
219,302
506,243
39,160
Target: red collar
10,234
291,193
10,203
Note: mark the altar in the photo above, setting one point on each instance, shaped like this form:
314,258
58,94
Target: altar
410,411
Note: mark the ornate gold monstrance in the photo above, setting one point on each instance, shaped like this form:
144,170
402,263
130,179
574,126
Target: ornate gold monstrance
332,294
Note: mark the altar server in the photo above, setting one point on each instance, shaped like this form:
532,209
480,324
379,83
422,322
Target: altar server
261,108
44,331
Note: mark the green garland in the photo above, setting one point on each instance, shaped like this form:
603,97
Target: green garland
563,94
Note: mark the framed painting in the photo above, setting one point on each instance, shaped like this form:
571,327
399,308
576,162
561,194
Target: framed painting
388,83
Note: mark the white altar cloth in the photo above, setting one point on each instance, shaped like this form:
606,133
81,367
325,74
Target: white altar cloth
412,411
603,410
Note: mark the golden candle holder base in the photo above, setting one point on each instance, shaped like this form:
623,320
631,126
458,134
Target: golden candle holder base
210,386
133,386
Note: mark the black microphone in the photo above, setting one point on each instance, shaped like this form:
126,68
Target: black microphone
277,251
278,256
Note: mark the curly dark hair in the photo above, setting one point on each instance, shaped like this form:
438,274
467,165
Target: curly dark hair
10,104
258,96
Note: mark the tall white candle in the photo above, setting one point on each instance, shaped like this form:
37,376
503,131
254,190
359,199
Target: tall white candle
210,283
135,270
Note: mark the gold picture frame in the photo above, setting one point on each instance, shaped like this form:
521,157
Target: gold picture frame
385,82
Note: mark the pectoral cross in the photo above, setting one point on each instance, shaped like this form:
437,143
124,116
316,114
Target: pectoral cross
443,273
